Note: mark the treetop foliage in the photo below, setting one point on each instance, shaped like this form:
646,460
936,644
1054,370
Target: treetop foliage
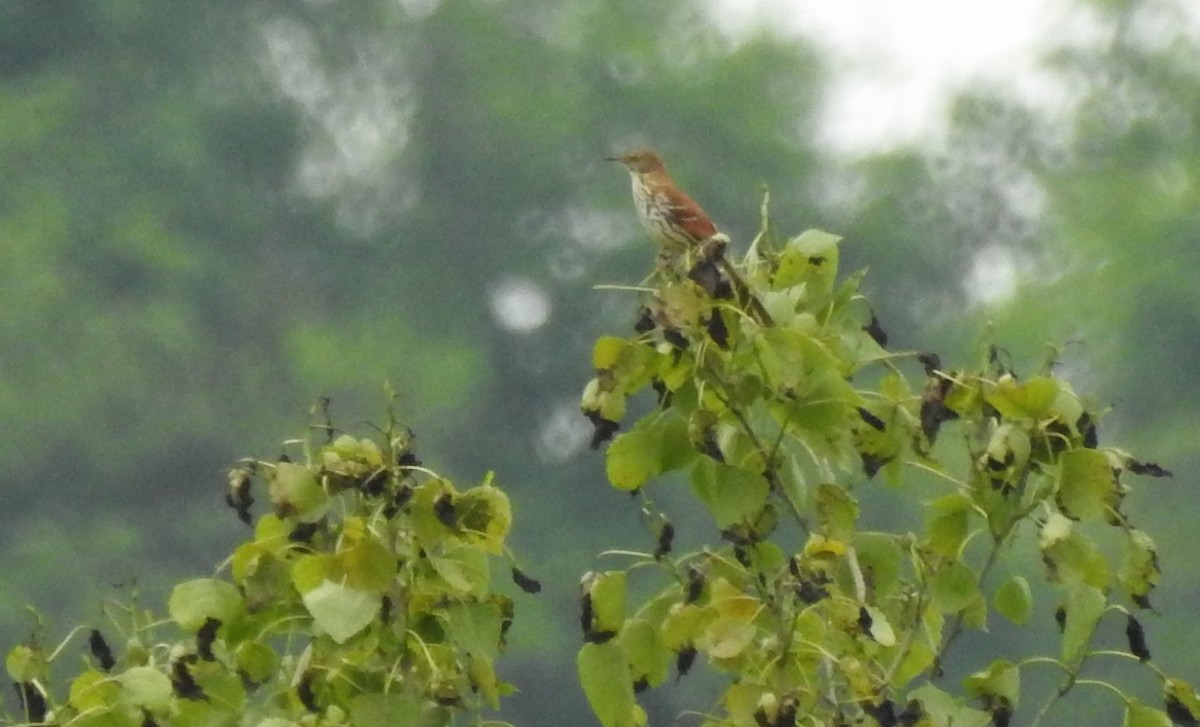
363,597
814,615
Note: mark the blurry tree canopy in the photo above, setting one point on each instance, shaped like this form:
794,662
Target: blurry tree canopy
209,216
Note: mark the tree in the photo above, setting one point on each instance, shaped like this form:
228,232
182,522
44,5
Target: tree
818,607
365,595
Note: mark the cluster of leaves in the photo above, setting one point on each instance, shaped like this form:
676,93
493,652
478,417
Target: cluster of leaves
777,422
364,597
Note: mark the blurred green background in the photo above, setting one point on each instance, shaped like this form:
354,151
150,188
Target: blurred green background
211,214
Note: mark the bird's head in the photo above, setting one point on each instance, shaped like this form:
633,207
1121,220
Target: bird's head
640,161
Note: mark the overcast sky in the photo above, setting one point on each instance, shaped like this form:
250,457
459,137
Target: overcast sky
898,60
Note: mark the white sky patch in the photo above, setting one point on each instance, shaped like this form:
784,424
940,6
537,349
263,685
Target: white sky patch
896,64
563,433
520,305
993,276
357,120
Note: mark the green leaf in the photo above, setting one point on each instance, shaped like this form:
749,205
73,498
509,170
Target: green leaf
882,555
812,258
1033,399
1014,600
310,571
145,687
1000,681
367,566
194,602
916,662
223,688
608,685
1139,572
295,492
1071,557
391,709
949,524
1139,715
955,587
653,446
733,495
1179,693
257,661
1085,604
463,567
649,658
976,613
837,512
475,627
683,625
1086,483
94,690
24,663
339,610
486,514
634,457
782,353
944,710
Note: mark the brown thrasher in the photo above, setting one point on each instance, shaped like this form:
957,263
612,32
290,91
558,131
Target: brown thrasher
676,222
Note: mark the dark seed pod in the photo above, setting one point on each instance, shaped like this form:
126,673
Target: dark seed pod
100,650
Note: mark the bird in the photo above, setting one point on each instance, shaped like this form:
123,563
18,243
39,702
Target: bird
672,219
676,222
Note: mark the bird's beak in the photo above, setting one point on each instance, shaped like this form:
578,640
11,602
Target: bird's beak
612,159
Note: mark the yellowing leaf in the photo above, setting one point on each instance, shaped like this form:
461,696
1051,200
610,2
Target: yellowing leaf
310,571
608,600
822,548
837,511
728,601
726,638
1075,558
607,351
1139,572
1086,483
683,624
367,566
607,683
486,515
